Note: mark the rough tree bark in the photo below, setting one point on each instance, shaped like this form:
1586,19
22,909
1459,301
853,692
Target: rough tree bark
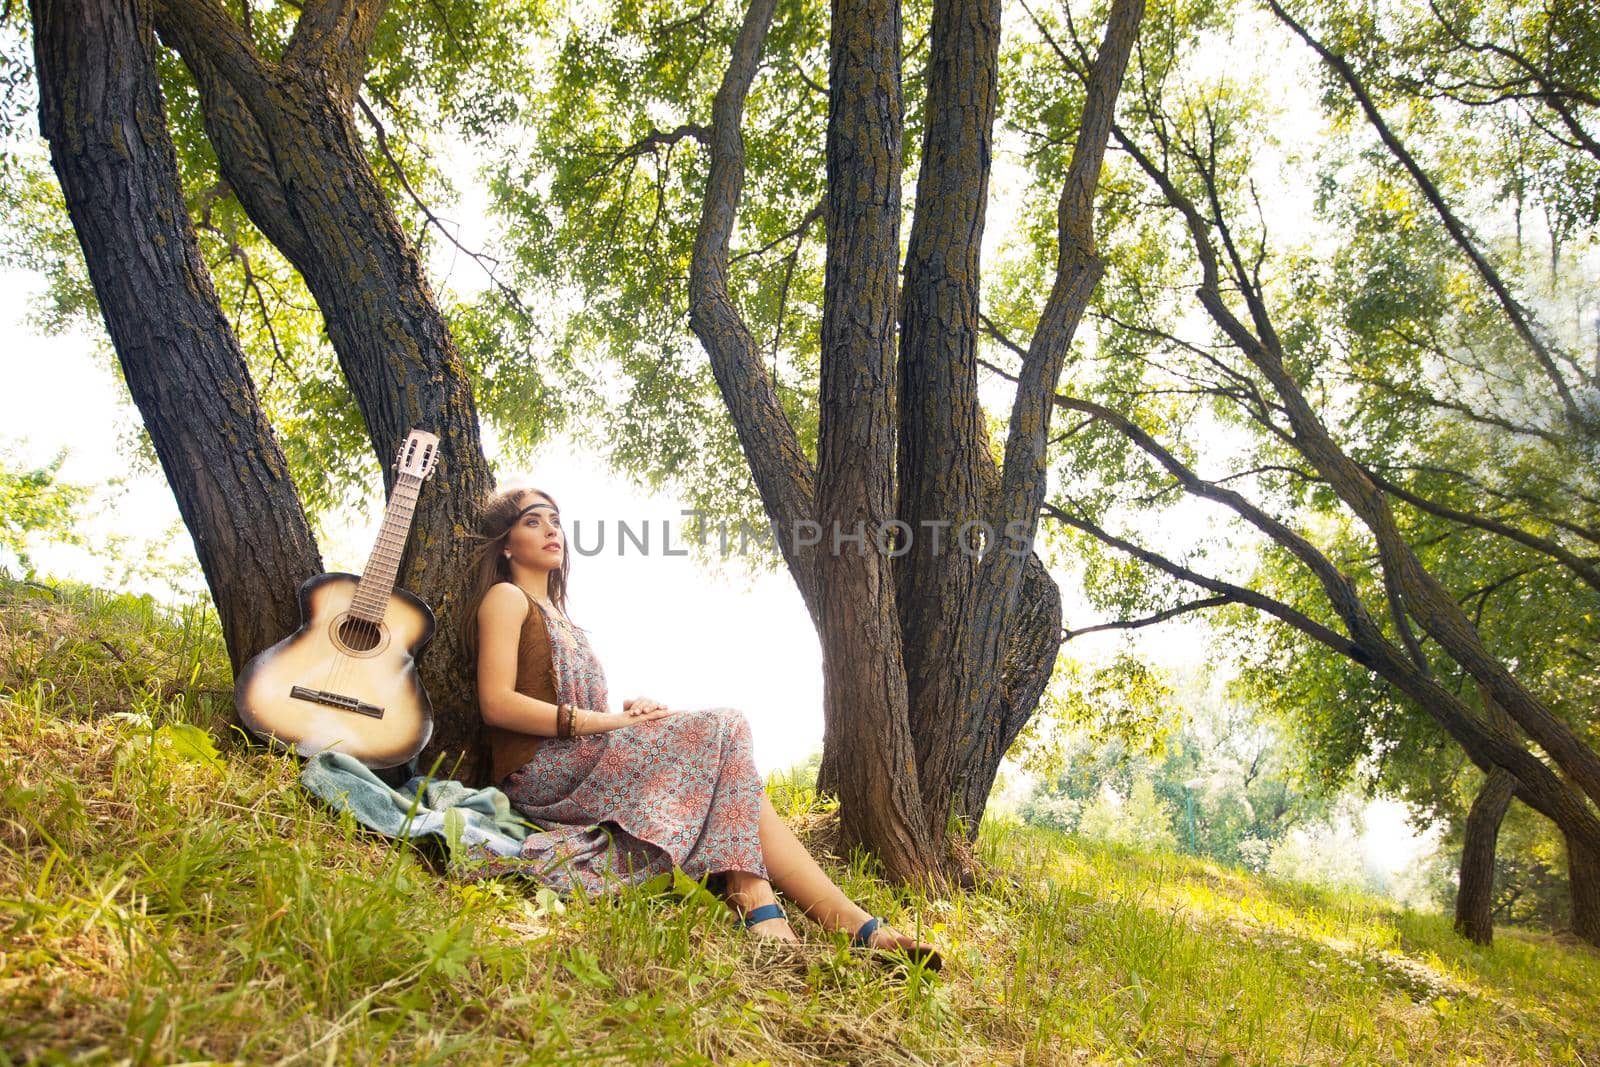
1583,883
101,109
287,143
883,803
988,631
867,759
1030,659
943,443
947,477
1475,893
1475,889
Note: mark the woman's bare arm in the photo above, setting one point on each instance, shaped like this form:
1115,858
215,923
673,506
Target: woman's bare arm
500,619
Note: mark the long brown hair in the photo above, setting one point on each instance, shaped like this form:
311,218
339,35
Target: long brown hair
489,565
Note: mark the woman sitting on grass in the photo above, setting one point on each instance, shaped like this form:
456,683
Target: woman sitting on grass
624,796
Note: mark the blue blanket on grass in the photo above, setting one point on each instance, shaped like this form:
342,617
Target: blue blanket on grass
465,819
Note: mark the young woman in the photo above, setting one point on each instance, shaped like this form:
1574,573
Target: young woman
623,796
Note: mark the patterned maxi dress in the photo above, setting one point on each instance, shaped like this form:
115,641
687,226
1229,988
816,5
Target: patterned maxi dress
623,806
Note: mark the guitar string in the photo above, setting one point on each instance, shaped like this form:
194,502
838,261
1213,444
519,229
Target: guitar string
366,633
356,630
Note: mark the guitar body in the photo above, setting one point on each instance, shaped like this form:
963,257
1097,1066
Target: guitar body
343,682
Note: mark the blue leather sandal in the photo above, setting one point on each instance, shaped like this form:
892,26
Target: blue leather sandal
762,914
927,955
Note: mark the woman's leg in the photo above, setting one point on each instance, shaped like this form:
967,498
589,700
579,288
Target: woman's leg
745,891
808,885
801,879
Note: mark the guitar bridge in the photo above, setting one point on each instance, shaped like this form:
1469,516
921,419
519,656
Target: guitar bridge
336,700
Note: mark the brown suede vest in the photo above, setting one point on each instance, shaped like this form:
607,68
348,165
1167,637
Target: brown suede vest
536,678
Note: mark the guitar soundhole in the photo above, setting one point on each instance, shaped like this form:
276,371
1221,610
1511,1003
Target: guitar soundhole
359,635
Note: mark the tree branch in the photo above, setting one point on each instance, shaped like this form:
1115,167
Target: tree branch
1225,590
1537,784
1150,620
783,475
666,138
1078,271
202,29
1520,318
488,263
795,233
1584,569
1551,95
332,40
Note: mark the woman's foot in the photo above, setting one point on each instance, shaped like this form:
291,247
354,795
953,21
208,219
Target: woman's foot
752,898
885,938
774,930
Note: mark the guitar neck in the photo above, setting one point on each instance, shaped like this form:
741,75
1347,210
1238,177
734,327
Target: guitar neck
377,580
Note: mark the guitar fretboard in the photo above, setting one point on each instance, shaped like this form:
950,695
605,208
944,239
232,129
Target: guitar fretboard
377,580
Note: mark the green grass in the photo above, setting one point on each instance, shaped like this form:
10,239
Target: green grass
160,905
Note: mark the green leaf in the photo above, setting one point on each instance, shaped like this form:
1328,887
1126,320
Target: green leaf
585,967
549,903
448,949
190,743
687,888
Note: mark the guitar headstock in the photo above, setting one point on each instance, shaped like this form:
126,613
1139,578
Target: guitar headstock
419,454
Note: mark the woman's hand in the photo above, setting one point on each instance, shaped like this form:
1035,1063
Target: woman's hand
638,706
635,712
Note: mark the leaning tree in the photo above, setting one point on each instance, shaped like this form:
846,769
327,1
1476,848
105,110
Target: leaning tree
1384,416
101,108
282,127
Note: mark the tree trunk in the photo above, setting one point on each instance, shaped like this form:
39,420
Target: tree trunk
287,143
1011,613
945,472
1030,661
101,109
1583,882
1475,895
942,444
978,660
868,756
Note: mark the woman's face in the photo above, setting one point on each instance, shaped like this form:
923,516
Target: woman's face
536,540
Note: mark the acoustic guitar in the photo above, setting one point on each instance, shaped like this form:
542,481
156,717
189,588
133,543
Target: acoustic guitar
347,679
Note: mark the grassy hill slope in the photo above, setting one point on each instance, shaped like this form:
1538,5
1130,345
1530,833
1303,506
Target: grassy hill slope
159,904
